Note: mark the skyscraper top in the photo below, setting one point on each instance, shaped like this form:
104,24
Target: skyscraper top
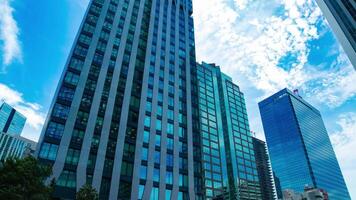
284,92
300,149
11,121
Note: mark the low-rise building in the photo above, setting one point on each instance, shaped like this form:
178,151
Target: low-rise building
15,146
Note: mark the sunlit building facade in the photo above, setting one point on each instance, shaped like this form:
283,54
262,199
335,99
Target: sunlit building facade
11,121
228,160
299,146
341,15
122,118
15,146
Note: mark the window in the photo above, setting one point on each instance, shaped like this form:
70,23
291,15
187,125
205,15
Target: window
170,129
126,169
141,189
159,110
108,165
158,140
148,106
146,136
129,150
82,117
168,194
143,172
170,114
156,175
71,78
144,154
157,156
182,132
78,134
66,94
55,130
183,180
160,97
170,101
169,177
67,179
149,93
76,64
158,125
147,121
169,161
80,51
84,39
154,193
170,143
60,111
72,156
48,151
183,163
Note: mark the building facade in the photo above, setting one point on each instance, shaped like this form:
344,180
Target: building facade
122,117
341,15
278,187
264,169
11,121
228,159
15,146
299,146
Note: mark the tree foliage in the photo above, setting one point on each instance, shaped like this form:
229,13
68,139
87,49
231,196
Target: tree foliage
24,179
87,192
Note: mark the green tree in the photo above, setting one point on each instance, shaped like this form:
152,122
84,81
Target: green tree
87,192
24,179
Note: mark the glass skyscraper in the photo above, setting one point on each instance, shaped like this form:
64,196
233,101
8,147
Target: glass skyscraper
300,149
264,169
228,160
341,15
122,117
11,121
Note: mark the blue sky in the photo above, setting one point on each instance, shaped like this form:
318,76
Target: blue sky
263,45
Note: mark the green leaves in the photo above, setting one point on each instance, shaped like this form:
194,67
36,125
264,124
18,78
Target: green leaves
87,192
24,179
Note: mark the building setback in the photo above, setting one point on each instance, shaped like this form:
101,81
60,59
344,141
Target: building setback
11,121
121,118
264,169
228,159
341,15
299,146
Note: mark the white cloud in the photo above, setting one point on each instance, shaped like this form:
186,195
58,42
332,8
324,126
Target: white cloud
82,3
32,111
333,87
344,141
9,33
347,132
249,39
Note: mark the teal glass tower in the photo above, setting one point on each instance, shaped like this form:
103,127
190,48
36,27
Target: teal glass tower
11,121
121,119
228,160
299,146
